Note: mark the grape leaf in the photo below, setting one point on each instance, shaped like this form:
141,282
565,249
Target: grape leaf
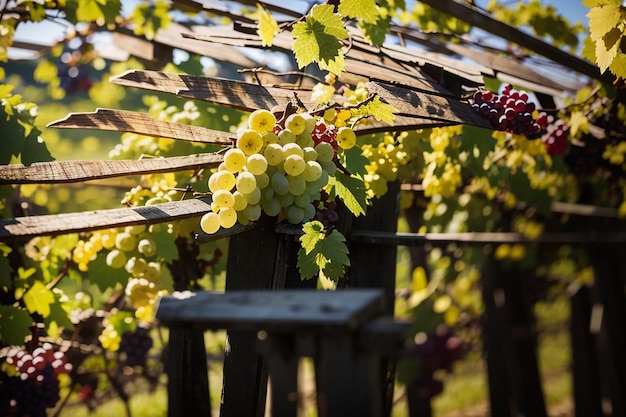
352,192
380,110
104,276
166,245
595,3
354,161
59,316
359,9
618,66
602,19
318,38
35,149
268,28
578,122
38,299
92,10
14,325
327,253
5,273
376,32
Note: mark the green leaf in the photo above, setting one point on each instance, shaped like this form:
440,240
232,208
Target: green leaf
93,10
359,9
313,233
327,253
5,268
478,143
268,27
35,149
104,276
354,161
14,325
376,32
352,192
59,316
166,245
38,299
12,140
318,38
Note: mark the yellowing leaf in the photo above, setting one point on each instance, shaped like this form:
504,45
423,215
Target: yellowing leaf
618,66
359,9
596,3
602,20
38,299
322,93
605,57
268,27
578,122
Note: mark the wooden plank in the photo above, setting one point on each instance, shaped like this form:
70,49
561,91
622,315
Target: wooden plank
76,171
230,93
284,310
408,102
143,124
21,228
480,238
483,21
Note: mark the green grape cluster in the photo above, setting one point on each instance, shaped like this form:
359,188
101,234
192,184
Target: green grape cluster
442,171
276,167
384,159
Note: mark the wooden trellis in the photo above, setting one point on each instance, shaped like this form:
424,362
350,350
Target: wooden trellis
426,89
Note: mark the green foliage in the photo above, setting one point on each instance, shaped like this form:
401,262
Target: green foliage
322,251
351,191
148,17
317,39
14,325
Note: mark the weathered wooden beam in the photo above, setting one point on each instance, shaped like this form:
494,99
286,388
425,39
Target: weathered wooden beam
143,124
478,238
235,94
76,171
483,21
22,228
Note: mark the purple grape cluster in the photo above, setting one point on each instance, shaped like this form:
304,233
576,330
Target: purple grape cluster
134,347
555,138
325,210
36,385
434,352
509,111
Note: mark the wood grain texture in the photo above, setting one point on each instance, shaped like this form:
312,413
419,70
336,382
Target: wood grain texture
143,124
284,310
76,171
21,228
235,94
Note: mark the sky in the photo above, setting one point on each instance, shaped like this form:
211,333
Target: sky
46,33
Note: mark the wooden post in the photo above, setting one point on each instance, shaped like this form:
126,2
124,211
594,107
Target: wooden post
374,266
250,266
586,379
609,284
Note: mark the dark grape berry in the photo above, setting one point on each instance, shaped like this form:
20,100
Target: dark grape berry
509,111
325,210
35,388
134,347
555,138
434,352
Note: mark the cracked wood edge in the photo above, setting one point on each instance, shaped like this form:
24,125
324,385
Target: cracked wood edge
143,124
76,171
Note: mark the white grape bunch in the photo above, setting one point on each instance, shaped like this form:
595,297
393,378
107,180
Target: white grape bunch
277,167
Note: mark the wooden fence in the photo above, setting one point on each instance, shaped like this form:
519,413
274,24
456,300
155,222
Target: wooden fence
425,92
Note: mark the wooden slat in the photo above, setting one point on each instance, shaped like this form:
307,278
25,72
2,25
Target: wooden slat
75,171
21,228
279,310
230,93
415,104
483,21
143,124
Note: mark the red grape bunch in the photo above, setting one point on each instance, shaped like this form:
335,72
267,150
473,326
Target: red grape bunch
34,385
509,111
